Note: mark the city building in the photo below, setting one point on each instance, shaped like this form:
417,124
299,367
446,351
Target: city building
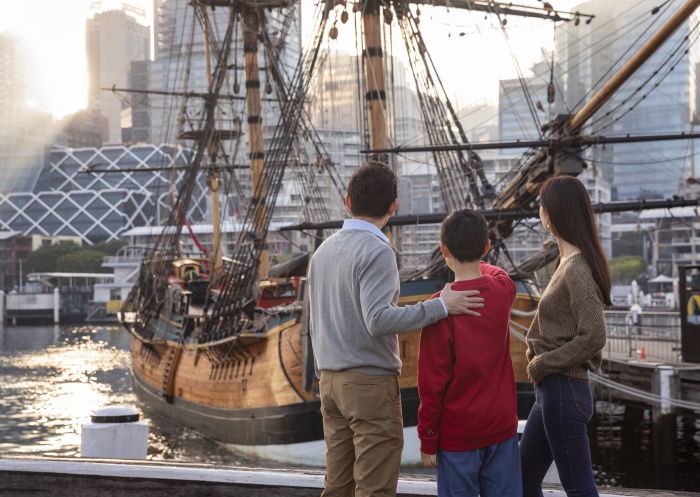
675,237
277,243
335,96
311,193
114,39
523,106
517,122
14,251
480,122
80,130
67,200
661,97
181,65
24,130
18,82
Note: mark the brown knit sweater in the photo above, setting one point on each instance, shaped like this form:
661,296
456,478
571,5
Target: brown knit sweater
567,334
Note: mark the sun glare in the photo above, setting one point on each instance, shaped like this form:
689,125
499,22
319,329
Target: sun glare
54,31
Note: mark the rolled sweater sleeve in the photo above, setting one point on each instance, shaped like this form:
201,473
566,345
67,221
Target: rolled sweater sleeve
379,280
586,308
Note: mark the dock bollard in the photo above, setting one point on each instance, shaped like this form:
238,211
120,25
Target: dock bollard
115,433
56,306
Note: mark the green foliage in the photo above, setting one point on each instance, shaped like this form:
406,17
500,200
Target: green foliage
86,260
626,268
71,258
43,260
628,244
109,248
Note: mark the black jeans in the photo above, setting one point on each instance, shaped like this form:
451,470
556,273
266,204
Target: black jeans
556,430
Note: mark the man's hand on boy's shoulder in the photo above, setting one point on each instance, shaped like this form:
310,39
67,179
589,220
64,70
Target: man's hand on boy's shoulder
461,302
428,460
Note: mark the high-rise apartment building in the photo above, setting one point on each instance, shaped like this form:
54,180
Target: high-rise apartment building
114,39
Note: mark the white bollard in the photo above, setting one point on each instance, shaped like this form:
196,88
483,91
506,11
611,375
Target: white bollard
56,305
115,433
665,376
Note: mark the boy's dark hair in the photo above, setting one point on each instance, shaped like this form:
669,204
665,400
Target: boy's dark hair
372,190
465,234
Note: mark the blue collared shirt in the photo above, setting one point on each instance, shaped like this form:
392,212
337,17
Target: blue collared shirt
359,224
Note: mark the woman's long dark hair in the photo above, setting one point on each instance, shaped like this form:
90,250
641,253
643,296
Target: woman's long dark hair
568,207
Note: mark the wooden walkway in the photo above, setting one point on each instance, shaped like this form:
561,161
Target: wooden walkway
21,477
642,374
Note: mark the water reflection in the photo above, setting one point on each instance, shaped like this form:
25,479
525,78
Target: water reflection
627,452
52,378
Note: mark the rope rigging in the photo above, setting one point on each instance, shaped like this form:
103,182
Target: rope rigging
149,294
236,293
440,122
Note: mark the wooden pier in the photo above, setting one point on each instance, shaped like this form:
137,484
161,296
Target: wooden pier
666,388
21,477
646,374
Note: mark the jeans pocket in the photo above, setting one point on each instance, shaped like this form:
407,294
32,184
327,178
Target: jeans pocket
582,396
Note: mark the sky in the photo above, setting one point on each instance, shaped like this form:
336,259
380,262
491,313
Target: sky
470,65
55,33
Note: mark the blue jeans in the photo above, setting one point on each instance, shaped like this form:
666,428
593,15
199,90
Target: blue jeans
493,471
556,430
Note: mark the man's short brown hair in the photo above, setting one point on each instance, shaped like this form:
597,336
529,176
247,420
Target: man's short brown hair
372,190
465,234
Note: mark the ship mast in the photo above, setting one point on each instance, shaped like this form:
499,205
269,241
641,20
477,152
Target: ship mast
213,147
251,67
374,79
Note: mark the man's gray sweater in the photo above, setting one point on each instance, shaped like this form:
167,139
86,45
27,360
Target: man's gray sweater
354,287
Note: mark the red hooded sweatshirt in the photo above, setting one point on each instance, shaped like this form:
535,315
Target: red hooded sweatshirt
465,375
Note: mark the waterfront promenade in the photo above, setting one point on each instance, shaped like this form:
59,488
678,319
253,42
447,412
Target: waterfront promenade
80,477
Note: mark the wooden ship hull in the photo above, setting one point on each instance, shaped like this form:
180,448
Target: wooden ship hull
260,398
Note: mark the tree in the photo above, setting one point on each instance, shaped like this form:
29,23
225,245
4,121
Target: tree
43,259
626,268
85,260
109,248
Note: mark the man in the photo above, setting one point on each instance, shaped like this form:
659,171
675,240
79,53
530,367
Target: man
354,287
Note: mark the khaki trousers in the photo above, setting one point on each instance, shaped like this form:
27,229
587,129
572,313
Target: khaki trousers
363,429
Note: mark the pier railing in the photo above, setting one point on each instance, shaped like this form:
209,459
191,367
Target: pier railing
656,335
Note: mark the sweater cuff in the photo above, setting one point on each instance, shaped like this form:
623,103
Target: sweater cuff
444,307
428,446
537,369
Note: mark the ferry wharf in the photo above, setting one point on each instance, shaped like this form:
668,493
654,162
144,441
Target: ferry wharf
21,477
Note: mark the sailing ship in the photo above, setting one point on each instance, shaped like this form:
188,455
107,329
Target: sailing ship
221,343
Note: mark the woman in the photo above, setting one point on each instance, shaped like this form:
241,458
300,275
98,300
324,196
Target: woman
564,342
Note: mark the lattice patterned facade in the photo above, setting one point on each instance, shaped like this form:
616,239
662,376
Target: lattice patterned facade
99,207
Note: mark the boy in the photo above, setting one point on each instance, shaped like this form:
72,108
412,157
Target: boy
353,289
467,413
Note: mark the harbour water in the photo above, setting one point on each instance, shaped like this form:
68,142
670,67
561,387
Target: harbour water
52,378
